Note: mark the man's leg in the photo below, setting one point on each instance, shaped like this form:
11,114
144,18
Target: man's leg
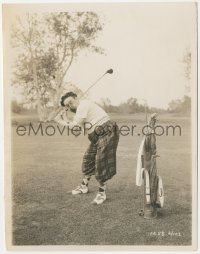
101,195
88,169
105,162
85,180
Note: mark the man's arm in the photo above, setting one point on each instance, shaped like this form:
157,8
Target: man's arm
79,118
78,122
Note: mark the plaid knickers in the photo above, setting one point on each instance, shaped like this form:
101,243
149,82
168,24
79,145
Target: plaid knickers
100,157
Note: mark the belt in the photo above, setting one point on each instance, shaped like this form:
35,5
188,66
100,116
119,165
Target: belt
102,130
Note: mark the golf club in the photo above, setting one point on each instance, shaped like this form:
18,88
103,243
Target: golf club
110,71
59,110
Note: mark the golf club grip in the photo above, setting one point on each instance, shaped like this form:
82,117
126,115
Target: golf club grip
55,113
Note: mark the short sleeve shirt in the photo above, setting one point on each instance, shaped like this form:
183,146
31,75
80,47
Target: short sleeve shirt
93,114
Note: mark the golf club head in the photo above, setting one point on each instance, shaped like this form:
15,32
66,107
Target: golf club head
110,71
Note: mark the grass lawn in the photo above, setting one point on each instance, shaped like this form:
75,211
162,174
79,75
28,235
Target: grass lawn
45,168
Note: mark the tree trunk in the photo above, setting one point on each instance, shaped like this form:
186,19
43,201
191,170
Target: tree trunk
39,107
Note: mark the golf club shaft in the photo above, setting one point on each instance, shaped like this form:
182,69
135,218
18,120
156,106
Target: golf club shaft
59,110
93,84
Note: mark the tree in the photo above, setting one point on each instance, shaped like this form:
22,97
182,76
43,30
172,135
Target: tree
180,106
47,45
130,106
187,57
105,103
15,107
186,104
133,105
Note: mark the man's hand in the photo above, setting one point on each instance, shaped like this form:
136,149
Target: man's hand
59,119
54,113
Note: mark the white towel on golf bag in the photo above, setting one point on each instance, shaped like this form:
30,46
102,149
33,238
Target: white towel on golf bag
160,198
139,170
147,191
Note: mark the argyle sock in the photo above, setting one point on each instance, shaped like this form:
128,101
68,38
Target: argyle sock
85,180
102,188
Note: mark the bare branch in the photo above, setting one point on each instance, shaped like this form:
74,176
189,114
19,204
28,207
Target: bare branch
15,34
70,62
64,53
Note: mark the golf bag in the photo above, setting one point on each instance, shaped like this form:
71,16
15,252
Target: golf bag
147,172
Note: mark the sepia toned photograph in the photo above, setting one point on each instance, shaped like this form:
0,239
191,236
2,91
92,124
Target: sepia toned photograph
100,125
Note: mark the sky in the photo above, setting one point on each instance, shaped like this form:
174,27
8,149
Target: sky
144,44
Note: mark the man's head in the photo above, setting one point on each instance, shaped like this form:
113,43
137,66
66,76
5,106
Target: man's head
70,100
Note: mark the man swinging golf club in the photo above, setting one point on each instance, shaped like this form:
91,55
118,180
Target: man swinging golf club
103,133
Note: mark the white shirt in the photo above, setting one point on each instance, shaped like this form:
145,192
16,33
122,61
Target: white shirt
93,114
